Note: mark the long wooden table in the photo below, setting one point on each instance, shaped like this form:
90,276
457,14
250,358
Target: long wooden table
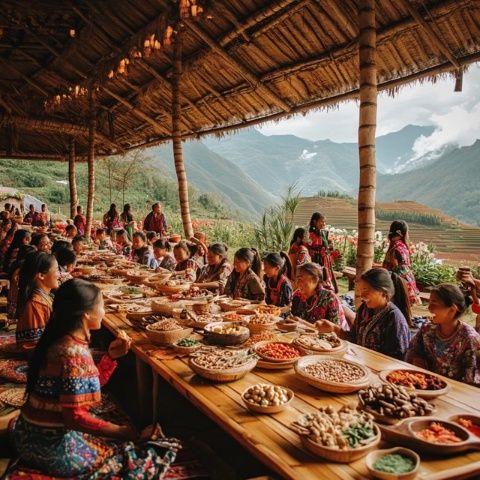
269,438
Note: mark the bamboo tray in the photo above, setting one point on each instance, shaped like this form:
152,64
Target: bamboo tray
404,433
341,456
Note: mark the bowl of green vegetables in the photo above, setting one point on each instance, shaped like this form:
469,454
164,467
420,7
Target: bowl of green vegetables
186,345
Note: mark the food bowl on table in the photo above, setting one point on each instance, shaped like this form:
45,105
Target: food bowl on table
268,309
201,321
332,374
262,321
172,287
166,331
186,345
287,325
277,351
393,464
232,305
468,421
341,436
201,308
175,238
226,333
321,343
265,398
425,384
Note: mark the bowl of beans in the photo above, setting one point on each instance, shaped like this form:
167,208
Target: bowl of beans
332,374
266,398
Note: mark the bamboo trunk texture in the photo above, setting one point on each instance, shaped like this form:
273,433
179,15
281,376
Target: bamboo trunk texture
177,138
91,162
72,181
366,138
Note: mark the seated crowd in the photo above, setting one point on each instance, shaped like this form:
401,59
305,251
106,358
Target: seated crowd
55,313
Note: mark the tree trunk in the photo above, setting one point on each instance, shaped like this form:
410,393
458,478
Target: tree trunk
91,162
366,138
72,181
177,137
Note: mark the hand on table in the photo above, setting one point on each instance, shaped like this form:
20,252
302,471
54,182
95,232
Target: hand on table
325,326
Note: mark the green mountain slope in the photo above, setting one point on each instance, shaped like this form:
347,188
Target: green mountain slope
451,183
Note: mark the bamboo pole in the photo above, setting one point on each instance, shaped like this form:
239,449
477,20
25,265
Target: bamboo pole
72,181
91,161
177,137
366,138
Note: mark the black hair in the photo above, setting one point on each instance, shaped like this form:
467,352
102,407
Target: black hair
17,241
37,238
70,227
163,243
393,286
23,252
65,256
449,295
399,227
314,270
140,235
218,249
127,215
72,300
79,238
79,207
59,244
313,221
183,245
36,262
298,233
251,256
280,260
151,235
99,231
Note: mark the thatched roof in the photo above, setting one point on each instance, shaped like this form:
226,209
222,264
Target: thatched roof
245,61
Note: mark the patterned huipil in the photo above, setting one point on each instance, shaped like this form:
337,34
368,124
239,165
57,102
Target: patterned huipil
397,259
299,255
457,357
323,304
247,285
385,331
68,385
320,253
278,292
190,267
215,273
32,321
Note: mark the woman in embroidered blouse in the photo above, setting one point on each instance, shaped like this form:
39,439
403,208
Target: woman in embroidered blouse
447,345
141,251
320,247
21,237
383,319
127,221
185,264
214,275
42,242
244,281
312,301
55,432
162,259
397,258
38,277
123,245
278,271
111,219
298,251
66,259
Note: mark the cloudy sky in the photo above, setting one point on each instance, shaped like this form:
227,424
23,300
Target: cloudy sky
456,116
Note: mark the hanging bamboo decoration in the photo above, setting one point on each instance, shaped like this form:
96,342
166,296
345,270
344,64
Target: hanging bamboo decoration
72,181
91,161
366,138
177,137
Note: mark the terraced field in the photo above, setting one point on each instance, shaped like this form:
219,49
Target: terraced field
453,240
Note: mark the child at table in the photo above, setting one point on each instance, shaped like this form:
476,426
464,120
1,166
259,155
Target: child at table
447,345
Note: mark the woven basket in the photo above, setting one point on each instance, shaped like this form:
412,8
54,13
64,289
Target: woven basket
232,305
225,339
171,290
137,316
202,308
262,327
341,456
229,375
167,337
270,309
186,350
137,278
337,352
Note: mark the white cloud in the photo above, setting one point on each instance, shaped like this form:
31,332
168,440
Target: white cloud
455,114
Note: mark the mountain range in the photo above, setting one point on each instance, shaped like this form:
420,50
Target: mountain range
251,171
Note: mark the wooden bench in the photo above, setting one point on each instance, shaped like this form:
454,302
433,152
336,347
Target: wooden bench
350,273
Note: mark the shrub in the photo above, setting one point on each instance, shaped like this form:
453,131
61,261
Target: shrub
411,217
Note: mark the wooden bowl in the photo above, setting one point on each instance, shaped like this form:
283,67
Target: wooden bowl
175,238
287,325
270,409
258,351
415,426
166,337
372,457
262,327
226,339
475,419
185,350
421,393
227,375
337,455
172,289
333,352
202,308
268,309
232,305
329,386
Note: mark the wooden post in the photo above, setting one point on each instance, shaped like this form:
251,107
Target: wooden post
366,138
72,181
177,136
91,161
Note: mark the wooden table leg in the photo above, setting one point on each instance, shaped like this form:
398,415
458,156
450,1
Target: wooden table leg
144,389
155,397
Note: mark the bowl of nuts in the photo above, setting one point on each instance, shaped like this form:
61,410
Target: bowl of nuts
332,374
262,321
265,398
226,333
166,331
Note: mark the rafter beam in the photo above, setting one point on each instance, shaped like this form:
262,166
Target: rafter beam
237,65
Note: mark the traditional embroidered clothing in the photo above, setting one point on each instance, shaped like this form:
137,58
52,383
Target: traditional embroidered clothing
215,273
142,255
299,255
167,262
13,295
246,285
279,291
397,259
323,304
68,385
385,331
80,222
320,253
155,223
190,267
34,318
457,357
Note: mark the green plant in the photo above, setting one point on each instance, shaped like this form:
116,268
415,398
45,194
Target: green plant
430,274
412,217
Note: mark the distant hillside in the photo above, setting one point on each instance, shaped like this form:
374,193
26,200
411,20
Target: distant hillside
451,183
210,172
